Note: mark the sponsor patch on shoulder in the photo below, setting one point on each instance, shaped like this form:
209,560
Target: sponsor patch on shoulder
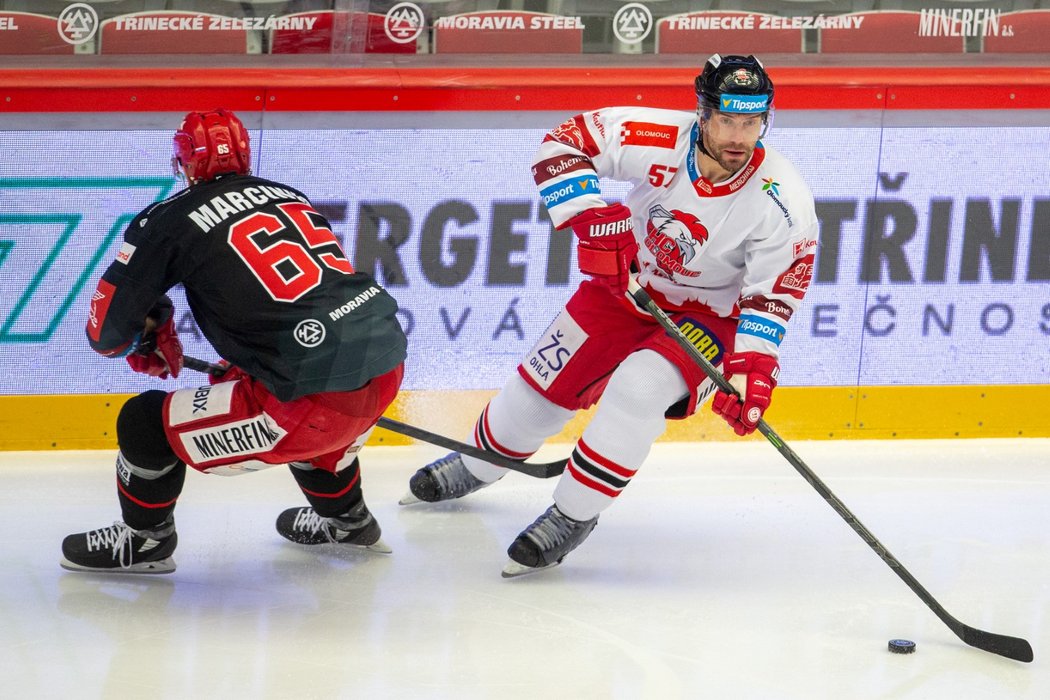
648,134
795,280
125,253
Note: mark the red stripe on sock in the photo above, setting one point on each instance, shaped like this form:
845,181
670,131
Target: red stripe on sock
140,502
483,425
591,483
603,462
357,477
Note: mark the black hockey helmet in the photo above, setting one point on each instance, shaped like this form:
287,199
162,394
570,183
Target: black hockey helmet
737,84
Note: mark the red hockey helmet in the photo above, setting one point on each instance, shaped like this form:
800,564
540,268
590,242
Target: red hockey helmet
210,144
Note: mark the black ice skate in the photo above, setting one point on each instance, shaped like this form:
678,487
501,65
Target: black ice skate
356,527
546,542
119,549
443,480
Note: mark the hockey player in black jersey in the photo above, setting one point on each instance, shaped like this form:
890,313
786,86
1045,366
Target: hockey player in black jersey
313,348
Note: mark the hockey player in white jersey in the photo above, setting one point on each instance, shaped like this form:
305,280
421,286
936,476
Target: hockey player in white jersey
719,228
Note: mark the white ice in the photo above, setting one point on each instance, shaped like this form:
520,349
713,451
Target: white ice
720,573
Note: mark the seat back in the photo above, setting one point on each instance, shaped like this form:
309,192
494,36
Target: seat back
334,31
171,32
1029,33
744,33
889,31
507,32
27,33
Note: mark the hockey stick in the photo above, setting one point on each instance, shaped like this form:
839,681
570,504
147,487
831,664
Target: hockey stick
540,471
1010,647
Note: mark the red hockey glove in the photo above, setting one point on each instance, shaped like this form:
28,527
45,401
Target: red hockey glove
159,353
229,373
754,376
607,246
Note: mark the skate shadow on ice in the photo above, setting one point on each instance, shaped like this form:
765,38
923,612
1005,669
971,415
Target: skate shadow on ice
103,599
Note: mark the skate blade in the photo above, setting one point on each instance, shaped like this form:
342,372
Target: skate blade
379,547
408,499
513,569
162,566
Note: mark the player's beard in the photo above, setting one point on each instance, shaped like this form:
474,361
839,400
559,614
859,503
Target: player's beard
730,161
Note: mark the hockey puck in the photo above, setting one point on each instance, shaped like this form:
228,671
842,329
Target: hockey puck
901,646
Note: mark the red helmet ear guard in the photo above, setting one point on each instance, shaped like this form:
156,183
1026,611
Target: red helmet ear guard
210,144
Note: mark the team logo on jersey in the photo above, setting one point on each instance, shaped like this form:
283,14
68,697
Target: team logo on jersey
309,333
648,134
674,237
795,281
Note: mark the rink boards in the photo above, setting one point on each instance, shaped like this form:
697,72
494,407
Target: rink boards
928,314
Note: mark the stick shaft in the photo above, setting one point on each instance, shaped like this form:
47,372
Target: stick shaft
1011,647
540,470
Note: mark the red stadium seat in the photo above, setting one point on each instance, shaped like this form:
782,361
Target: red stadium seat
26,33
170,32
726,32
333,31
889,31
1030,33
508,32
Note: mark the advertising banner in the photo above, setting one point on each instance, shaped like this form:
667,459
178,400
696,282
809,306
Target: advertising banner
933,266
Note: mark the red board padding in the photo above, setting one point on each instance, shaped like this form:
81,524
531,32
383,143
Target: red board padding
504,89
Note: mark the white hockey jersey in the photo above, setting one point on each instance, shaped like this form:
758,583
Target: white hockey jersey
741,248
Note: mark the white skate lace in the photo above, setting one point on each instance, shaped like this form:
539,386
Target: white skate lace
308,520
552,530
453,475
118,536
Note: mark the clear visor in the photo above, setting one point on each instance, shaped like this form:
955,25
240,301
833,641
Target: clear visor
176,168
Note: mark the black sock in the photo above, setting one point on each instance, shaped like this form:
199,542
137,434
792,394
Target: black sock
330,495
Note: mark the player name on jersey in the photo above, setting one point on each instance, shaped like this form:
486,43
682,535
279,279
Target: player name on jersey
223,206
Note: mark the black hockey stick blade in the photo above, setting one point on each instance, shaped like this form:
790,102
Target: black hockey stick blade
1010,647
540,471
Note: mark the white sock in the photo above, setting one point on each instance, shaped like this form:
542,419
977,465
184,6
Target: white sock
629,419
515,424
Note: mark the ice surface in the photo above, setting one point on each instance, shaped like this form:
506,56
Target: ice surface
719,574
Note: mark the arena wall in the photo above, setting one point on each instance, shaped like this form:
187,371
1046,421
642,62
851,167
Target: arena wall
929,313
